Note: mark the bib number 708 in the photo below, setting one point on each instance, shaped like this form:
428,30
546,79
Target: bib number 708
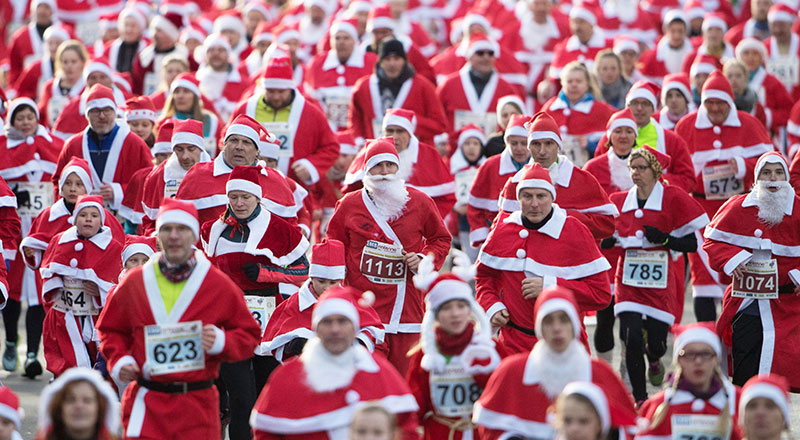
459,393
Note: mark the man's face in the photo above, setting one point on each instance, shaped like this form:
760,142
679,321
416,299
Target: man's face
544,151
381,34
676,102
337,333
176,242
101,120
772,172
344,45
239,150
163,40
251,21
98,78
44,14
187,155
557,331
676,32
642,110
316,14
131,31
400,135
780,30
581,29
535,203
392,65
217,58
482,61
540,8
717,110
713,36
763,418
278,98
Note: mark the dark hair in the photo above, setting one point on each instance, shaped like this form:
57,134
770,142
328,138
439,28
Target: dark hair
56,406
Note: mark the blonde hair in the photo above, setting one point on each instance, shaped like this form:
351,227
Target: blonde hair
734,63
591,81
74,45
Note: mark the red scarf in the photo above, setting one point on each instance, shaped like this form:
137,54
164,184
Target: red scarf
451,345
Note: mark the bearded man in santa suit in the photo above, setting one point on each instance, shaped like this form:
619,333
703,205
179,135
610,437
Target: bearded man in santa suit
114,153
578,191
752,237
519,393
536,247
385,227
725,145
315,396
421,167
220,80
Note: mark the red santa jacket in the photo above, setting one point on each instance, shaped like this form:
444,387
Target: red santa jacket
641,26
230,93
702,49
366,110
52,101
734,236
288,408
111,50
512,253
484,194
131,207
154,190
32,159
779,62
147,64
773,96
571,49
314,143
9,221
419,229
660,61
585,118
25,48
509,68
741,30
429,174
31,82
128,154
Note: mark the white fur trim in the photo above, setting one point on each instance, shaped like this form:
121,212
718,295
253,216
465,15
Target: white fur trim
334,306
184,137
100,103
378,158
555,305
181,217
697,334
536,183
243,185
326,272
186,84
242,130
399,121
219,341
767,391
136,248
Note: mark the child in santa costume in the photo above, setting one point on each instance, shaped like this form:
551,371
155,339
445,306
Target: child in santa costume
764,408
10,415
78,268
583,408
699,397
464,165
449,371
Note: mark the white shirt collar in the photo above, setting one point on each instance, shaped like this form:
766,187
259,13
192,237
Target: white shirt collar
305,298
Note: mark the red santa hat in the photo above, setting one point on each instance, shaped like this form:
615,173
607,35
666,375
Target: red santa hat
517,126
717,86
697,332
347,25
596,396
187,81
643,89
473,18
327,6
88,201
170,23
543,126
694,9
193,32
18,103
36,3
751,43
279,200
357,6
703,64
258,6
771,157
781,12
327,260
245,126
189,132
767,386
337,300
625,42
400,117
556,299
245,178
479,41
583,12
680,82
140,108
471,131
180,212
134,13
80,167
279,74
229,21
536,177
163,143
622,118
380,150
269,146
110,423
380,18
262,33
283,33
216,40
510,99
100,96
97,64
55,30
675,15
137,244
714,20
9,406
347,143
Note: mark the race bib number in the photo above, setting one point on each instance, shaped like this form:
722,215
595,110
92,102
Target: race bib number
174,348
720,183
486,121
40,196
573,150
453,392
383,263
336,109
282,131
696,427
55,107
786,69
73,298
261,307
647,269
759,281
171,187
464,181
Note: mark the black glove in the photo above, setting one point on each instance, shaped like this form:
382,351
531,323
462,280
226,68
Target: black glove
101,365
654,235
251,271
294,347
608,243
23,197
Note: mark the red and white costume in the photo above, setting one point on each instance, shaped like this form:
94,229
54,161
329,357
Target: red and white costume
587,117
710,20
224,89
146,72
781,64
638,25
680,82
26,47
10,229
572,49
52,100
29,84
538,41
772,94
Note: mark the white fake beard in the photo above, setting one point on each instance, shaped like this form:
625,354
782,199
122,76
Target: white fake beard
324,371
771,204
560,368
620,175
389,194
406,167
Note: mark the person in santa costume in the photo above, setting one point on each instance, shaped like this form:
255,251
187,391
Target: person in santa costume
579,192
394,84
642,100
610,78
666,58
230,25
627,18
284,112
421,166
66,84
386,227
725,145
146,70
583,412
141,117
507,106
677,100
698,395
648,236
219,79
331,75
470,94
325,193
745,98
764,412
75,285
582,46
713,41
315,395
482,206
756,26
27,43
783,47
747,232
30,83
140,114
516,399
177,297
122,51
10,414
186,101
464,166
113,152
509,276
456,353
136,251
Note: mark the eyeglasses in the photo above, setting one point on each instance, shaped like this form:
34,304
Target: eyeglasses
701,355
639,168
482,53
105,110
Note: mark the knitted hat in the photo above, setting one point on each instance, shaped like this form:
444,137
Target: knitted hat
643,89
554,299
391,47
380,150
767,386
80,167
703,64
697,332
131,12
337,300
137,244
771,157
278,74
245,178
100,96
180,212
751,43
625,42
9,406
717,86
170,23
622,118
347,25
714,20
327,260
140,108
535,176
657,160
471,131
347,143
510,99
245,126
380,18
188,131
400,117
111,422
781,12
517,126
597,396
479,41
268,146
88,201
677,81
18,103
187,81
543,126
97,64
163,143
